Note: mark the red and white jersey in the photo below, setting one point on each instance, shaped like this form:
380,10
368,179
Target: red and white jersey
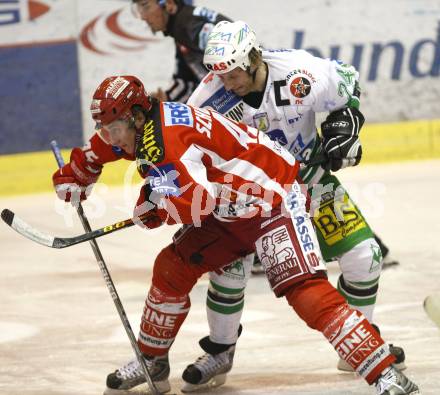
200,162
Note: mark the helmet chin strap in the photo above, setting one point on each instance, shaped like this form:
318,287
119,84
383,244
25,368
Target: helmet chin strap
131,123
253,74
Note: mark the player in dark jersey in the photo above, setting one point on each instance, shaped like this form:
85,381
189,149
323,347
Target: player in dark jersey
189,26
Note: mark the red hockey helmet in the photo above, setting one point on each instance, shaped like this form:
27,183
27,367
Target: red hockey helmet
115,98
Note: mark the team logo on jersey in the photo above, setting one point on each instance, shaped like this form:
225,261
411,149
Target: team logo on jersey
164,180
177,114
261,122
302,72
300,87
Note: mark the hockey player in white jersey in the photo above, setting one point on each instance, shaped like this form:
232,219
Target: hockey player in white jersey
279,92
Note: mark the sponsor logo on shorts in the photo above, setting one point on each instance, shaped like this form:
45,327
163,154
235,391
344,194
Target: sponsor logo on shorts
337,218
278,257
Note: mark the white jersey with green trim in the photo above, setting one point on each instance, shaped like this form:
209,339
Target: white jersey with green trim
298,86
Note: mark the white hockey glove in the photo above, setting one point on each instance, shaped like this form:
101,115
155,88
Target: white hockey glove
340,135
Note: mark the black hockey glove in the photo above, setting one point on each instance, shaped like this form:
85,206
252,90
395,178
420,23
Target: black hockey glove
340,137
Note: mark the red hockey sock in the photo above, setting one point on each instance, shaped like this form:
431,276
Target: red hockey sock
161,320
320,305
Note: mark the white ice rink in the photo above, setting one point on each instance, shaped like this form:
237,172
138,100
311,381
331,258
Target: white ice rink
60,333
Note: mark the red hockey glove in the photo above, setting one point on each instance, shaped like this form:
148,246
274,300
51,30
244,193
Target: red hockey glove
146,212
72,180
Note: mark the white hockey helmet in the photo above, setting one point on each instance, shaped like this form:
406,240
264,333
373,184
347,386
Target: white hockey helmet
228,47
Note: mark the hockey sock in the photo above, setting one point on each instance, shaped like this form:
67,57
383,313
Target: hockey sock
161,320
224,306
358,343
349,332
360,295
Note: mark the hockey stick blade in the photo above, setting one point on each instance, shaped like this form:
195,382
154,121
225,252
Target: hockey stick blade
39,237
8,216
25,229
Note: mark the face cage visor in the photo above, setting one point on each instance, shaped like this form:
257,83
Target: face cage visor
113,131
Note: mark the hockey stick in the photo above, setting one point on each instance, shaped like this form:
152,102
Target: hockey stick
106,274
47,240
319,159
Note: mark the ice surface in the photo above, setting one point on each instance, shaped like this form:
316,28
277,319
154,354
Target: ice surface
60,333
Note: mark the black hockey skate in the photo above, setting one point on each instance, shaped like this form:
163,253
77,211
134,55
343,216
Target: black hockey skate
131,376
209,370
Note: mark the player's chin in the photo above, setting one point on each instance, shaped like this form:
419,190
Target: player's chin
155,29
128,148
241,91
151,27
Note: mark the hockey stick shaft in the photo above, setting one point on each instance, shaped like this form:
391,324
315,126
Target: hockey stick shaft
109,282
317,160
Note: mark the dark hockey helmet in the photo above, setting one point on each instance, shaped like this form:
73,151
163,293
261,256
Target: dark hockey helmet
115,97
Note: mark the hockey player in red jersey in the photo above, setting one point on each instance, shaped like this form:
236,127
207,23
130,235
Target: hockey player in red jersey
236,191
